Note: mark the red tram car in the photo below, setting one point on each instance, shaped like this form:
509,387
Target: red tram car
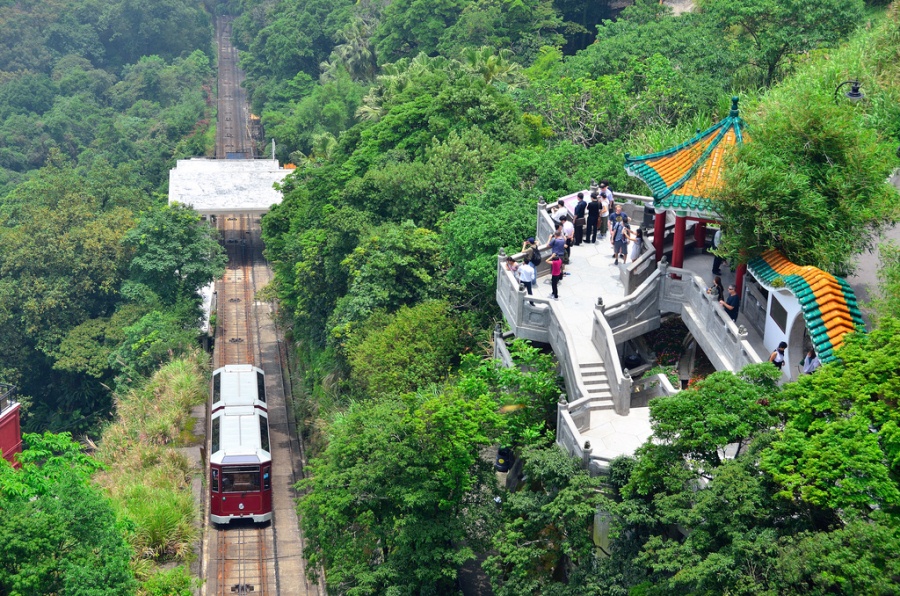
240,467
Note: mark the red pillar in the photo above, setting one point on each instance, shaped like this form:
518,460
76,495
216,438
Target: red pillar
700,235
659,234
678,247
739,278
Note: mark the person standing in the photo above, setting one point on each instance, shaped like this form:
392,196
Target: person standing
717,289
568,230
527,276
558,245
555,274
637,239
617,216
579,222
777,357
732,304
593,218
604,216
606,191
717,260
530,250
811,362
619,237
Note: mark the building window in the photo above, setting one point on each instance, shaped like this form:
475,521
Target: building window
779,315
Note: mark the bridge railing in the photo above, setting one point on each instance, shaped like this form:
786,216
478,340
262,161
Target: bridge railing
638,271
535,318
724,342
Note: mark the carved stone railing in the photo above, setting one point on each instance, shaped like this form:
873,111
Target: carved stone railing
545,224
568,436
723,342
638,312
619,380
650,387
638,271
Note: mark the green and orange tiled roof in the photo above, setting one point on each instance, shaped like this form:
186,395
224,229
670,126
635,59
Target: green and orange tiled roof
682,178
829,303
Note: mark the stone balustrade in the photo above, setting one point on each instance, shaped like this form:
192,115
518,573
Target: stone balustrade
723,342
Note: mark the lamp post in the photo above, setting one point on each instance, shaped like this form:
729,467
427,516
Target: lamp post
853,95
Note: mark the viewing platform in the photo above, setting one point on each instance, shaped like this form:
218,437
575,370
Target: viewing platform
601,307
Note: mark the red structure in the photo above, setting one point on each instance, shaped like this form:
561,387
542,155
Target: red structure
10,429
684,177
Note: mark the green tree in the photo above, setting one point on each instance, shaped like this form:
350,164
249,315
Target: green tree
410,27
545,538
393,501
59,532
810,183
774,30
406,351
840,445
175,254
887,300
393,266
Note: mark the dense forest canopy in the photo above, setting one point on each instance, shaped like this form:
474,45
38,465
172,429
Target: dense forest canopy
424,133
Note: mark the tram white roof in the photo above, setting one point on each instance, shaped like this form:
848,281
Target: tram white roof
238,386
239,436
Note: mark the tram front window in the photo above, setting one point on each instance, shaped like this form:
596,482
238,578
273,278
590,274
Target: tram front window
240,479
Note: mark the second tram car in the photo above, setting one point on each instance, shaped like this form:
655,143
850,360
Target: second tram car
240,465
238,385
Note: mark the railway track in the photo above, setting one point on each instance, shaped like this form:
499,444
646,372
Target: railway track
245,554
234,138
236,328
243,558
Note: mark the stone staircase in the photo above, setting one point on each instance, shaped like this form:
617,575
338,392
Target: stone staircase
596,382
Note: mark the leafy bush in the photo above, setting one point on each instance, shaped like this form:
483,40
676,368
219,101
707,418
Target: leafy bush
169,582
406,351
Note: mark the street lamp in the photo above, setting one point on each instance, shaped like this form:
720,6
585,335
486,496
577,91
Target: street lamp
853,95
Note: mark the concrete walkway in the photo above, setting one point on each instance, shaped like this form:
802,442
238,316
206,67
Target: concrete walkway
593,274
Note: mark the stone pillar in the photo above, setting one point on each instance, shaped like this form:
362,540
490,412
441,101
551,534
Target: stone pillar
659,234
498,337
586,457
562,405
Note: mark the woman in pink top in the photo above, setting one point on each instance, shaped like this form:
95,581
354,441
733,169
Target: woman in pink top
556,274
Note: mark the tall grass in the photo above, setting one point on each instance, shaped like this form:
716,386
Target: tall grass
148,480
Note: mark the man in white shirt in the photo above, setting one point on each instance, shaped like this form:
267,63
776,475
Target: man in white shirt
559,211
526,276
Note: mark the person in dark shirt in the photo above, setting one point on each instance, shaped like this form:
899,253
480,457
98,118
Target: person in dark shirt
579,219
732,303
593,217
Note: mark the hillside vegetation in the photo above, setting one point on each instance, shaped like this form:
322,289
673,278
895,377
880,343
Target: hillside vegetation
422,151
